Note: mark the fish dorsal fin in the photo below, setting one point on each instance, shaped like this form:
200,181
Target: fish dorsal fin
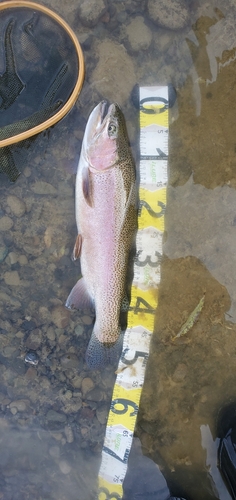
77,248
86,186
79,297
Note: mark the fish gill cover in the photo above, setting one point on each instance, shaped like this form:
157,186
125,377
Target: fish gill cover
41,67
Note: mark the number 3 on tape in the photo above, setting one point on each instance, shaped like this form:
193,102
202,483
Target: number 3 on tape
154,128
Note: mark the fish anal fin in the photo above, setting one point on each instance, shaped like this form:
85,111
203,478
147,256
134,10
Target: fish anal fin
86,186
77,248
79,298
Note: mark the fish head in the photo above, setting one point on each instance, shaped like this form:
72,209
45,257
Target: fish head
102,136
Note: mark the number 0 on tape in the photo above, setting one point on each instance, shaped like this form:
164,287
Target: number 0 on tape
154,130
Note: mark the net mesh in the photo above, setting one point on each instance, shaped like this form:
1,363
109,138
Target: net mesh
41,74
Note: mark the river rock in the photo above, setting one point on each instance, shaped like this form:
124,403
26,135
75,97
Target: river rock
41,187
34,339
12,278
114,75
87,385
6,223
16,205
171,14
56,417
102,414
69,361
91,11
138,34
60,316
65,467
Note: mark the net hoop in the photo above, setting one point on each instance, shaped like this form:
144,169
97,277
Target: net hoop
73,97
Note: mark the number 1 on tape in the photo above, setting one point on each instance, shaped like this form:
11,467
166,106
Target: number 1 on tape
154,128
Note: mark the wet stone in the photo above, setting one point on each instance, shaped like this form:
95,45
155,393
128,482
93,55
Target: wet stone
41,187
20,405
54,451
12,278
171,14
12,256
34,339
87,385
16,205
95,394
139,35
6,223
60,316
102,414
55,420
87,320
69,434
120,78
73,406
91,11
79,330
65,467
69,361
28,325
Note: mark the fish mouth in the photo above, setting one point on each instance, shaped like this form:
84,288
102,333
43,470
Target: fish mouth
105,107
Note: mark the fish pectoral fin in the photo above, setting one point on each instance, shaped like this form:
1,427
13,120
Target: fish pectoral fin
77,248
86,186
79,297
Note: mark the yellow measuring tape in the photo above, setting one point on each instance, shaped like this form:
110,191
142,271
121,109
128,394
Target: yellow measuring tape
154,128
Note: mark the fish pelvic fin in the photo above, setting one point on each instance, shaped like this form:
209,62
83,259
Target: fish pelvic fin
101,354
79,297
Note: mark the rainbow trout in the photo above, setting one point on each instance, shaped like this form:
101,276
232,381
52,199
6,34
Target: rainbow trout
106,221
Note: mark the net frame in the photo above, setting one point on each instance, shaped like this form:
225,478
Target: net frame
12,4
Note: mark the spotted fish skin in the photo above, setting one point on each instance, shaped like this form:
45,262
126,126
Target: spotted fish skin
106,220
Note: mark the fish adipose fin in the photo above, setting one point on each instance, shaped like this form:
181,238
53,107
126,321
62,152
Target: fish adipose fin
99,355
86,186
77,248
79,297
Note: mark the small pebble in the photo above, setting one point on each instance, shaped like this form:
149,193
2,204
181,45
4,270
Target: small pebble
54,451
69,361
87,385
41,187
20,405
87,320
65,468
79,330
60,316
69,434
12,256
23,261
12,278
6,223
17,206
102,414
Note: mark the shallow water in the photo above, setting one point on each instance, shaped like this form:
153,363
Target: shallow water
53,414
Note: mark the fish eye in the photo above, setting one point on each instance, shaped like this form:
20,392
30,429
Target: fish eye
111,129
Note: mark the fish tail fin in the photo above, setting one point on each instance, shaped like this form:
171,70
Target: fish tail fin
101,354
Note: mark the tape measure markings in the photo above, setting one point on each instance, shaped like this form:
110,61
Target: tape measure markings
144,292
